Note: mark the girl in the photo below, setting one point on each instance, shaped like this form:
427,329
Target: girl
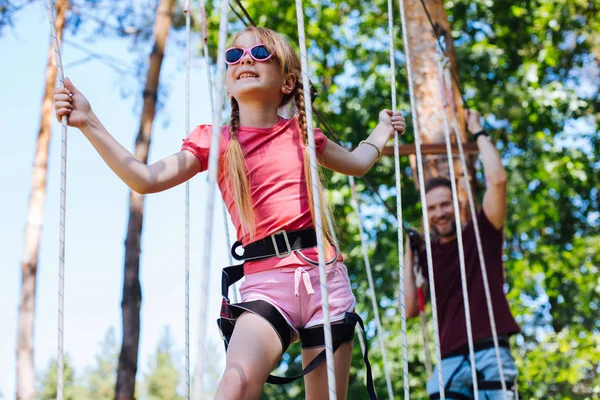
264,184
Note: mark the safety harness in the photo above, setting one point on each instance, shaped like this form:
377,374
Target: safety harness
281,244
482,383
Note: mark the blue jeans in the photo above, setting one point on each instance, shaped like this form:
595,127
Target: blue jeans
458,379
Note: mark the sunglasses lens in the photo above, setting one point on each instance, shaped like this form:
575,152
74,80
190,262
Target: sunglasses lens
233,55
260,53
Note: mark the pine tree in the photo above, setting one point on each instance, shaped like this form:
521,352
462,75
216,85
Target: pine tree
72,389
102,377
163,377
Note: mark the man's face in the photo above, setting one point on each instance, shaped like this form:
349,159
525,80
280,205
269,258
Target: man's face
441,212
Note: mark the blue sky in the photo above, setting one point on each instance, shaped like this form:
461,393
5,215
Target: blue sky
97,206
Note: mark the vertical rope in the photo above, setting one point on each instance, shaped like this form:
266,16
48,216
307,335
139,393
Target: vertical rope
212,107
228,241
486,286
186,10
419,281
461,253
316,204
398,204
336,243
436,332
332,229
371,288
63,213
423,321
213,161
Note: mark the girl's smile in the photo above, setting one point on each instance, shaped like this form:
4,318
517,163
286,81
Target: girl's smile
251,79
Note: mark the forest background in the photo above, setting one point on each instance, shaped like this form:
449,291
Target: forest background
531,67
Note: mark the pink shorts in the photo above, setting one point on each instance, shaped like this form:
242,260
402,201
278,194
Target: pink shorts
296,293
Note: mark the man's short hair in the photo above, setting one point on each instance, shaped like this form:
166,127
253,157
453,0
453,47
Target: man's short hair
437,182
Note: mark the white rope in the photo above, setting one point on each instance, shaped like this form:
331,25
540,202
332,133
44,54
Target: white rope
204,49
461,252
316,204
373,296
336,243
63,213
186,10
426,236
428,366
420,280
332,230
213,161
235,287
486,286
398,204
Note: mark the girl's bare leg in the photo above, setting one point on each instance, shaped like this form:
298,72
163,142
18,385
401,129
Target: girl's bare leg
253,352
316,382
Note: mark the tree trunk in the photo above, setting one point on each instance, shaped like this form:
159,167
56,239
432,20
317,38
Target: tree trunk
132,293
422,45
33,226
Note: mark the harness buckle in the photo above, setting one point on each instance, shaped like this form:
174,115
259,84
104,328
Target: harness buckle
225,308
288,251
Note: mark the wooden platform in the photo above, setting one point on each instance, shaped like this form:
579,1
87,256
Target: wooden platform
437,148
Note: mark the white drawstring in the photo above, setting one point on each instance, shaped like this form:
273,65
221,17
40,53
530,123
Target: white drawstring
302,273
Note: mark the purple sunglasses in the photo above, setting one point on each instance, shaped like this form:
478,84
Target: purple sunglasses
234,55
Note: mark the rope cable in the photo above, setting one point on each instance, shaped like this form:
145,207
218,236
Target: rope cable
398,204
237,14
420,174
458,226
423,322
336,243
213,160
63,212
316,204
486,286
239,3
419,281
439,42
373,296
204,50
186,10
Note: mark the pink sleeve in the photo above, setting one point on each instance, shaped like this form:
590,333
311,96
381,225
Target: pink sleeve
198,143
320,140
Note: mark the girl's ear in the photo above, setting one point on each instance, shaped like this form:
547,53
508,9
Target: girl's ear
289,84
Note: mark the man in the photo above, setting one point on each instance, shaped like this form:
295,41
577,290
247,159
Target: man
456,366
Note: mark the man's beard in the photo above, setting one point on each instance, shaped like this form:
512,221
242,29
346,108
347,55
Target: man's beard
449,233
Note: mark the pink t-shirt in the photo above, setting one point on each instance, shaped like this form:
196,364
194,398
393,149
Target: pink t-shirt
274,159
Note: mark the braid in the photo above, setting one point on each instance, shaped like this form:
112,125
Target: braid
235,117
300,105
238,183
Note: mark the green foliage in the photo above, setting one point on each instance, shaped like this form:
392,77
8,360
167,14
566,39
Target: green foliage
161,381
97,383
72,389
531,66
101,379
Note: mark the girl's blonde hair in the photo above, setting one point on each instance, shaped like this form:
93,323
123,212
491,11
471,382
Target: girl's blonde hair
289,62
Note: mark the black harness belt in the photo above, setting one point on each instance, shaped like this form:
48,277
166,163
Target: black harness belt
282,244
482,383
